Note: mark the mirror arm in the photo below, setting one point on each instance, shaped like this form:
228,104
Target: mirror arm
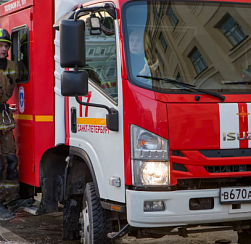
93,104
107,7
112,119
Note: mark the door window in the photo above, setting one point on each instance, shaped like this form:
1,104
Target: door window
20,52
101,60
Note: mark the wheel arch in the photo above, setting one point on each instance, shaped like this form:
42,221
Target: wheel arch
54,170
51,164
53,157
74,151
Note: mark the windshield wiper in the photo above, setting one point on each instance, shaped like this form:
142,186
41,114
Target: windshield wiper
167,80
237,82
192,87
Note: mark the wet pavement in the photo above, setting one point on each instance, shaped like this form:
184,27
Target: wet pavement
47,229
41,229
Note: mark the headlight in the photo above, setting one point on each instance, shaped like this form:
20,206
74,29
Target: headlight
154,173
150,158
150,173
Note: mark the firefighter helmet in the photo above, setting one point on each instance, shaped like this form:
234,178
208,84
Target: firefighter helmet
5,36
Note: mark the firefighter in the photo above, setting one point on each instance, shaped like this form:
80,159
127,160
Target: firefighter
139,62
9,176
23,63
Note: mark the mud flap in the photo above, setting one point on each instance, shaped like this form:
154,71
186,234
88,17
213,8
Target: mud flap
49,203
71,226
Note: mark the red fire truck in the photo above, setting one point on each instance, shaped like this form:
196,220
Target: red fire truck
135,115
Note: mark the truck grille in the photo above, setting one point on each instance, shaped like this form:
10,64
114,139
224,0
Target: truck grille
216,183
228,169
177,153
179,167
226,153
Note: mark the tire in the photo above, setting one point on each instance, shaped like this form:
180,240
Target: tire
94,224
244,237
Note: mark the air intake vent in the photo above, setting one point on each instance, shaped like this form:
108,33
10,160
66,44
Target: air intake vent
177,153
226,153
179,167
228,169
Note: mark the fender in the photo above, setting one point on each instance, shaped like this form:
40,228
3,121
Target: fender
51,165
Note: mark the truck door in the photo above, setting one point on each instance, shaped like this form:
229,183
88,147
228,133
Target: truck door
104,147
20,26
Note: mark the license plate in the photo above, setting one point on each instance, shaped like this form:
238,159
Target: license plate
235,195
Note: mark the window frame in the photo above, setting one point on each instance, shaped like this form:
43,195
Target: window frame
163,41
160,58
197,60
172,16
226,18
91,81
14,30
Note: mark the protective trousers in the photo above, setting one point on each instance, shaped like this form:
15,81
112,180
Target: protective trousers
9,177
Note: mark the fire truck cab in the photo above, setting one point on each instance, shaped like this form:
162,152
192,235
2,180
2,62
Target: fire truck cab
135,115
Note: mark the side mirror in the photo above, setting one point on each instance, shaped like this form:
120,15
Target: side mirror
73,83
72,43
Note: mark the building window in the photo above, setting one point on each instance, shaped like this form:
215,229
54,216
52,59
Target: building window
171,15
91,51
163,41
155,13
160,75
198,61
178,77
232,30
160,58
102,51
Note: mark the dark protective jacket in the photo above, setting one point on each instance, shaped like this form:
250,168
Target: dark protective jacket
8,79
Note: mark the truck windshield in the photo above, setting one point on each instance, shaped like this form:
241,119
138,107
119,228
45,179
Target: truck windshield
207,45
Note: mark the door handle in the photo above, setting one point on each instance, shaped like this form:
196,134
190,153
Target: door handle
73,120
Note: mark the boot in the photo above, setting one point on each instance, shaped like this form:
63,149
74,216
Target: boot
5,214
16,204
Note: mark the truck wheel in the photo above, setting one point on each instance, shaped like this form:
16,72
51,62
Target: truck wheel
94,224
244,237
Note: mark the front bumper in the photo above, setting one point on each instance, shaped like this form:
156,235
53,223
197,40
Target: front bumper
177,212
